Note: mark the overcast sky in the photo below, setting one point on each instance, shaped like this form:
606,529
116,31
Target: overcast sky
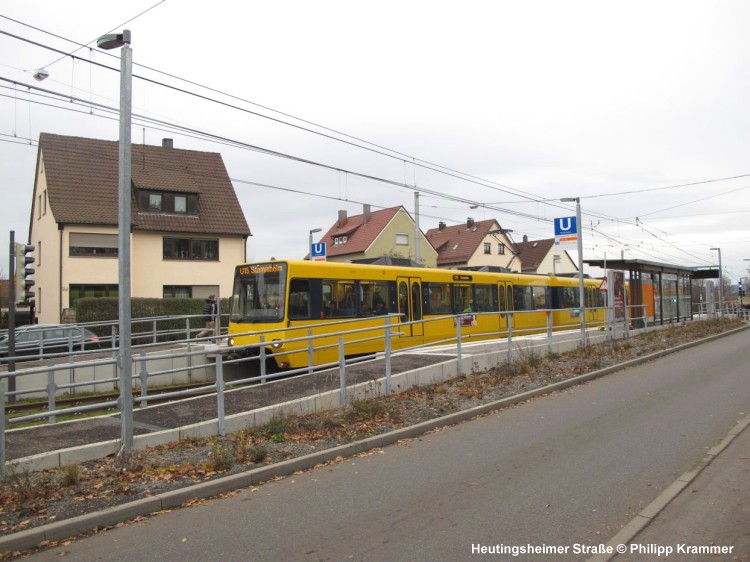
639,108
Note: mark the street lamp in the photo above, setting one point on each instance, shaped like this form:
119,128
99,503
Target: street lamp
581,288
122,41
310,244
721,286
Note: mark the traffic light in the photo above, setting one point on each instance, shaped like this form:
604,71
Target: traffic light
22,273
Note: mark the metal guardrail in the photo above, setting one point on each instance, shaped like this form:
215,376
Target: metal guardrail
213,358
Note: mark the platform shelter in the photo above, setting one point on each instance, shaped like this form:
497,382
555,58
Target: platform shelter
659,293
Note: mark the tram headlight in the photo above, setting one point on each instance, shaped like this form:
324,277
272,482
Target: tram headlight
230,342
276,344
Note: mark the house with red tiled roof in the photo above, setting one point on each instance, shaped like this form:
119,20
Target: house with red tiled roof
474,244
387,233
187,229
542,256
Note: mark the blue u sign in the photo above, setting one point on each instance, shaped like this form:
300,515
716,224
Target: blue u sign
319,250
565,225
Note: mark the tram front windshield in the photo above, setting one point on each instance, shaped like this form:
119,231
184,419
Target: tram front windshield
258,294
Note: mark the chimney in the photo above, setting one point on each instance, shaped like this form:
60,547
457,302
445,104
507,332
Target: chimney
167,143
525,239
365,213
469,222
342,219
441,225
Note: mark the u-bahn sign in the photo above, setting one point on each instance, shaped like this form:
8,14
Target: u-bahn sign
318,251
566,231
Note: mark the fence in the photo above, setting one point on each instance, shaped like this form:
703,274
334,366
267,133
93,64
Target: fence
203,362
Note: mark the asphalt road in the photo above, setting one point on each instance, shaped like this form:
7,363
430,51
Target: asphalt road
568,469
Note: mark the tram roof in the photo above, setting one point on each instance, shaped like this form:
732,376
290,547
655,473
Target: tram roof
644,266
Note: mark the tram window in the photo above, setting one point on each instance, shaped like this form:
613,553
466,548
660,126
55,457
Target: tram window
570,297
373,295
540,297
523,298
415,302
483,299
339,298
403,301
299,299
462,299
529,298
438,298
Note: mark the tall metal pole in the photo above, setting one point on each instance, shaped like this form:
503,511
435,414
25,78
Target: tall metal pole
417,253
310,241
581,286
125,357
721,286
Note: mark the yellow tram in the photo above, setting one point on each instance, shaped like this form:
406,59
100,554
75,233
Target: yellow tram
292,300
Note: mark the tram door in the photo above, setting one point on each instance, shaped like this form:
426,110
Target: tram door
410,305
505,303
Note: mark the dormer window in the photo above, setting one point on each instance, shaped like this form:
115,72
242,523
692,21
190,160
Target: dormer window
154,202
164,202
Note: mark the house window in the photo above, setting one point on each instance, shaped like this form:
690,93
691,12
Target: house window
180,204
39,253
88,244
167,203
177,292
77,292
487,248
154,202
44,212
39,207
402,239
339,240
501,249
191,249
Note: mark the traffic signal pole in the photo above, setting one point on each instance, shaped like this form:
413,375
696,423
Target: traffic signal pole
11,320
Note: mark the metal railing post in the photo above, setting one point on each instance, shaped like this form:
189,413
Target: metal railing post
310,357
143,379
342,372
3,425
262,359
459,367
388,383
220,395
114,356
153,340
51,392
510,338
549,331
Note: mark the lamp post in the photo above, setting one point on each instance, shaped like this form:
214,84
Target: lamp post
581,287
721,286
310,243
125,358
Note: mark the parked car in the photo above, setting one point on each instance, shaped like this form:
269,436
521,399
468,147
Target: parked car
39,340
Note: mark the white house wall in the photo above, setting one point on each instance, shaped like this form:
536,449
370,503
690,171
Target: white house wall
45,236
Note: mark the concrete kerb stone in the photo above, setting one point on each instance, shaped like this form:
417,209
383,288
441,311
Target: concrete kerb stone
30,538
644,518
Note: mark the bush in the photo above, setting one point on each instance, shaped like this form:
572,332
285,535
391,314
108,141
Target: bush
105,309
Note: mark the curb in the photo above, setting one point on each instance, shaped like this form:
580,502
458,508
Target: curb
31,538
647,515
